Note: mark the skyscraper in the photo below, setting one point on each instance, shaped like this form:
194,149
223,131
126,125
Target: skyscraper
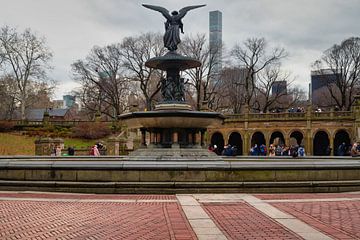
279,87
215,38
321,81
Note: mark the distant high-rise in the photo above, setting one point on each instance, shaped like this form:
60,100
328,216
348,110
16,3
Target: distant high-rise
279,87
321,81
69,101
215,38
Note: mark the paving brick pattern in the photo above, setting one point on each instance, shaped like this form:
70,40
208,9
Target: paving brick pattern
339,219
306,196
86,196
242,221
94,220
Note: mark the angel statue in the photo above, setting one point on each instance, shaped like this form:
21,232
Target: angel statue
173,24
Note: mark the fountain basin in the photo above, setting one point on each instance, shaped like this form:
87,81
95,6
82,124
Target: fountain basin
172,119
172,60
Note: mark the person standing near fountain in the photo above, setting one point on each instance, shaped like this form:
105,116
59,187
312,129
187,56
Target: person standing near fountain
173,24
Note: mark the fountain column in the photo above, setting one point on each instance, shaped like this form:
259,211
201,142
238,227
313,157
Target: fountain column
197,139
143,138
175,140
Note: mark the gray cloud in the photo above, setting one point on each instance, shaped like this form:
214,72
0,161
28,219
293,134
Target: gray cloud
304,27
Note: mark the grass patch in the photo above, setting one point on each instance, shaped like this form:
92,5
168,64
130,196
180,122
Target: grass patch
79,143
16,144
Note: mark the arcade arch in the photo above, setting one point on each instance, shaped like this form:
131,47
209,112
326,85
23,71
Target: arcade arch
277,138
341,136
321,144
296,137
258,138
236,140
218,140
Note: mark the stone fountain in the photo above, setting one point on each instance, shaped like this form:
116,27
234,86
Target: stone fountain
176,131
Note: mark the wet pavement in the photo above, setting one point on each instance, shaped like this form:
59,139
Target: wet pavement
39,215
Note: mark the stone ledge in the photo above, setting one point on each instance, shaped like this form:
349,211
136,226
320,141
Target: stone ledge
181,187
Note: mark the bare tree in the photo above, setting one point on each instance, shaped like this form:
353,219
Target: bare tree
253,56
7,97
25,58
103,88
272,89
39,94
204,79
135,51
343,61
231,98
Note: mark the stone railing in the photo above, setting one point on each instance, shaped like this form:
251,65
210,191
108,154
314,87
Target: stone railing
289,116
68,123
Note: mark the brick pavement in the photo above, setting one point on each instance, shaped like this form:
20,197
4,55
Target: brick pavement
242,221
28,215
339,219
92,220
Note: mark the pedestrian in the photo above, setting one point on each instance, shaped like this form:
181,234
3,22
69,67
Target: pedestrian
271,151
341,149
301,151
355,150
94,151
294,151
53,151
71,151
278,150
263,150
58,150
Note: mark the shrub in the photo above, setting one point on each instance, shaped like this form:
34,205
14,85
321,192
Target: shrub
91,130
6,126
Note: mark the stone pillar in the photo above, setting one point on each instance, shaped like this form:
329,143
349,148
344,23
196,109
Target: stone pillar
202,138
158,138
152,139
122,146
143,138
246,144
197,139
331,142
175,140
113,146
191,139
46,146
309,144
356,111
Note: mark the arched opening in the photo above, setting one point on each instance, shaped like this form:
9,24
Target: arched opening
321,144
277,138
236,140
218,140
296,138
258,138
341,138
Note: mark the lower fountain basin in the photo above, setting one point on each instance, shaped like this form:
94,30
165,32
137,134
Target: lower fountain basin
172,119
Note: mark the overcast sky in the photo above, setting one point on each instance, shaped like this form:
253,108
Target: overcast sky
305,28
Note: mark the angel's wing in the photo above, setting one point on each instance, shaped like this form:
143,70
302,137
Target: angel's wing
162,10
184,10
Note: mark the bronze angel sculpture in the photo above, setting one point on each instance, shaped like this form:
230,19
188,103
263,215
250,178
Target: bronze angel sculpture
173,24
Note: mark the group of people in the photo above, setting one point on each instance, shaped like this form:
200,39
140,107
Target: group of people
94,150
277,150
227,151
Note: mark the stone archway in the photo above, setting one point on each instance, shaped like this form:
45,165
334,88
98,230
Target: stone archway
321,144
258,138
296,137
236,140
277,138
341,136
218,140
